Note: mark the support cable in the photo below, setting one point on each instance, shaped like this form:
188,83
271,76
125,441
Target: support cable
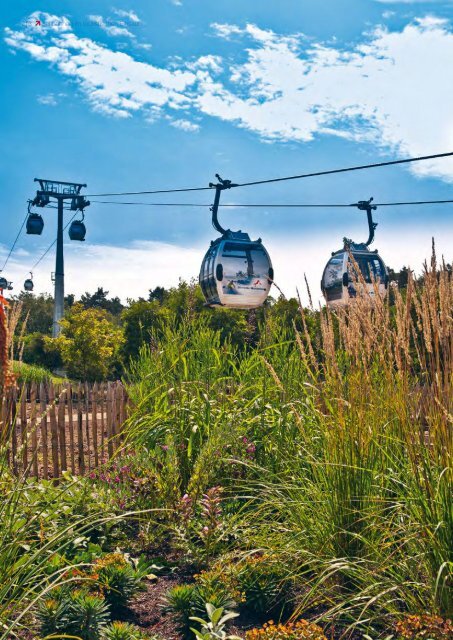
14,243
374,165
271,205
53,243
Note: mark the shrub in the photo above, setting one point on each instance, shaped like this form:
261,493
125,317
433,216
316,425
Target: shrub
219,586
73,612
300,630
87,615
215,628
118,581
423,627
124,631
262,584
181,602
52,616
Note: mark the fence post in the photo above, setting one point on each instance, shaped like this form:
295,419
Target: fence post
53,432
110,426
80,429
62,428
102,398
34,427
94,422
14,430
87,422
71,428
23,426
44,435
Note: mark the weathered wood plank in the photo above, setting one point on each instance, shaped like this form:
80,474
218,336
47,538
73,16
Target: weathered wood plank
94,422
53,432
44,434
81,460
62,428
34,429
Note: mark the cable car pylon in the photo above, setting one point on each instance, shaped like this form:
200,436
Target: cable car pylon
236,272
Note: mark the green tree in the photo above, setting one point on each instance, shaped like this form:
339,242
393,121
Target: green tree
140,321
89,343
99,300
39,350
37,310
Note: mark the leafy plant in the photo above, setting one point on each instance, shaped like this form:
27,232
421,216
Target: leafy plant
300,630
89,343
422,627
87,615
117,579
52,615
124,631
264,585
180,602
214,628
73,612
219,586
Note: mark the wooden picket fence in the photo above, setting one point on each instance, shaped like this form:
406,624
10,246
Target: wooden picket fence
49,428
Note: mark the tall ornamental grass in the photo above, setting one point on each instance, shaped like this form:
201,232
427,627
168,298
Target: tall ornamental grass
349,481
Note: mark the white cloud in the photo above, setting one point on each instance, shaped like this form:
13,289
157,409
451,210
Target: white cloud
114,82
40,22
185,125
144,45
110,28
224,30
129,15
209,62
394,90
48,99
149,263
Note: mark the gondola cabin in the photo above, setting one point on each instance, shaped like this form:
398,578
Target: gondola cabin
353,271
28,284
35,224
77,230
236,272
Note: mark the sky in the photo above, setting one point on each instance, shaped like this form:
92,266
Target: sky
138,95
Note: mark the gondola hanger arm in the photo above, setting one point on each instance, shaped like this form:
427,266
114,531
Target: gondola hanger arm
365,205
219,187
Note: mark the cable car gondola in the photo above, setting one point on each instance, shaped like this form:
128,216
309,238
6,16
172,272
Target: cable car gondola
236,272
77,230
355,269
28,284
4,284
35,223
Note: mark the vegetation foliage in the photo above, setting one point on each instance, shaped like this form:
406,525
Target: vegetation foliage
302,472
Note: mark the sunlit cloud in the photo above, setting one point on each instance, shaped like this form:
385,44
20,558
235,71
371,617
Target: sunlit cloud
385,91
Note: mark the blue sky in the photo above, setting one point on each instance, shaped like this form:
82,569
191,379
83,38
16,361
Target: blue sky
129,96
